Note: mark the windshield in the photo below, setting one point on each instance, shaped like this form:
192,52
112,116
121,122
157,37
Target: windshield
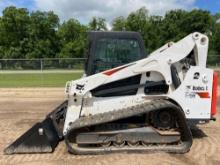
111,53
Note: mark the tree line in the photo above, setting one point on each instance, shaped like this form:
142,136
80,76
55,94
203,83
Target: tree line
37,34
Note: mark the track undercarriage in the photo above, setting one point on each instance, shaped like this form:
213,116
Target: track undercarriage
111,132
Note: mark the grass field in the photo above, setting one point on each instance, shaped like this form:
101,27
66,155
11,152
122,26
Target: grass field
38,79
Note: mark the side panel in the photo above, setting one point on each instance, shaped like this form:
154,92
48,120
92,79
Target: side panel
100,105
194,95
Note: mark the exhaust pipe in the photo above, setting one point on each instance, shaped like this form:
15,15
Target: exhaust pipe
43,137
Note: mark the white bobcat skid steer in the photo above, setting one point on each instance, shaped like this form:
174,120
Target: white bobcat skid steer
145,105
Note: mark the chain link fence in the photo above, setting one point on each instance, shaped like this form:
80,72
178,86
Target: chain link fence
42,64
64,64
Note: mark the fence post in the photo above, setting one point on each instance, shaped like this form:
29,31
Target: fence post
41,65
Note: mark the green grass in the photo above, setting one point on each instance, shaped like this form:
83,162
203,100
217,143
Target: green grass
36,79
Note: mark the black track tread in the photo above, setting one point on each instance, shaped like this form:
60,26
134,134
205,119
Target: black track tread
129,112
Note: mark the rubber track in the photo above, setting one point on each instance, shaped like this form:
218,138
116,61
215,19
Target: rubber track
106,117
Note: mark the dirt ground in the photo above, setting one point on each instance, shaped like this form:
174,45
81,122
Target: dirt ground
22,107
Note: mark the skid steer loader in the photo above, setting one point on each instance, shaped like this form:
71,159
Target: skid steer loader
145,104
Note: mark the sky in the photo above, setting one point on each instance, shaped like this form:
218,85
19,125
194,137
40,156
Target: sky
84,10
